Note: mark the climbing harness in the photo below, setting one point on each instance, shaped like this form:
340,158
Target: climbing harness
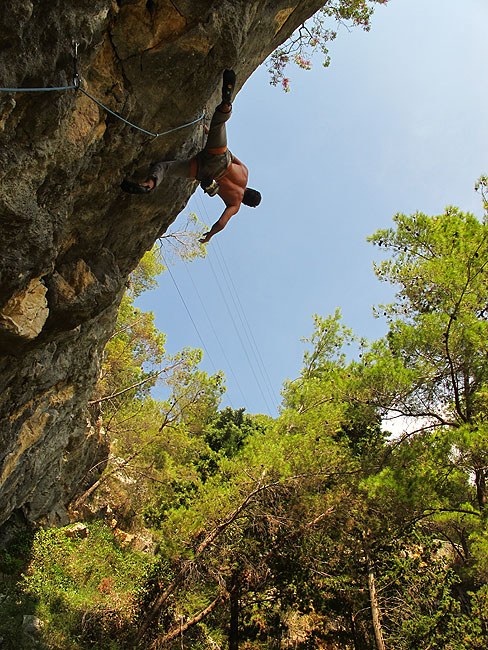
209,186
76,85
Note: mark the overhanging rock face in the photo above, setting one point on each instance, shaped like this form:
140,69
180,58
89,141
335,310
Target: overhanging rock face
69,237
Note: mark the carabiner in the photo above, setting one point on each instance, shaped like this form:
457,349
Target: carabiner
76,76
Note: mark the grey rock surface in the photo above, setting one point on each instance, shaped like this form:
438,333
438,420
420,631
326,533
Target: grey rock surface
70,237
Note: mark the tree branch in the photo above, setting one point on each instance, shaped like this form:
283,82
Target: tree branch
210,537
126,461
179,631
135,385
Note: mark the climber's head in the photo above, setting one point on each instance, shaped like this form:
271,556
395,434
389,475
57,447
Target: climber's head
251,197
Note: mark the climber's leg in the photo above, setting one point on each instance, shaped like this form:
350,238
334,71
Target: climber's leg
217,134
216,146
164,168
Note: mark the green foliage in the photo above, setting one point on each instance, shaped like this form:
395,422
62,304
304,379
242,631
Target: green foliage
80,571
132,356
183,245
14,557
83,589
228,430
481,186
304,526
225,434
316,34
438,329
416,587
143,278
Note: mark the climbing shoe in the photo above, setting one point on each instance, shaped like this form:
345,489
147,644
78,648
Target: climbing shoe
229,81
134,188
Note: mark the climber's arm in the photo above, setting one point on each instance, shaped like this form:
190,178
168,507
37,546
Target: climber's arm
219,225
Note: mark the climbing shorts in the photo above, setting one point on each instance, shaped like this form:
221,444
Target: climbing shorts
213,165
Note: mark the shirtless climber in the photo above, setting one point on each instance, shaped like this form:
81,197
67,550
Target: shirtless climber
217,169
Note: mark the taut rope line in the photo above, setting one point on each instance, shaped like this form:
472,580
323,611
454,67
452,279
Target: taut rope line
76,85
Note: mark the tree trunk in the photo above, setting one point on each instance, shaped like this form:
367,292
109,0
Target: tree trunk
480,480
235,592
375,612
353,629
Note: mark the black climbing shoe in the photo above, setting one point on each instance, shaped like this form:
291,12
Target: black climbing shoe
134,188
229,81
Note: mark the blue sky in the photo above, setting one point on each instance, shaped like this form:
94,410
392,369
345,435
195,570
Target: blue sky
397,123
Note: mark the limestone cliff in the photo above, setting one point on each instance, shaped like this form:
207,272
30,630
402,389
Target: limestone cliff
69,237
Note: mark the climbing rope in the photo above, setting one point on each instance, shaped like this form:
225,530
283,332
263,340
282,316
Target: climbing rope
154,135
77,86
223,276
36,90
